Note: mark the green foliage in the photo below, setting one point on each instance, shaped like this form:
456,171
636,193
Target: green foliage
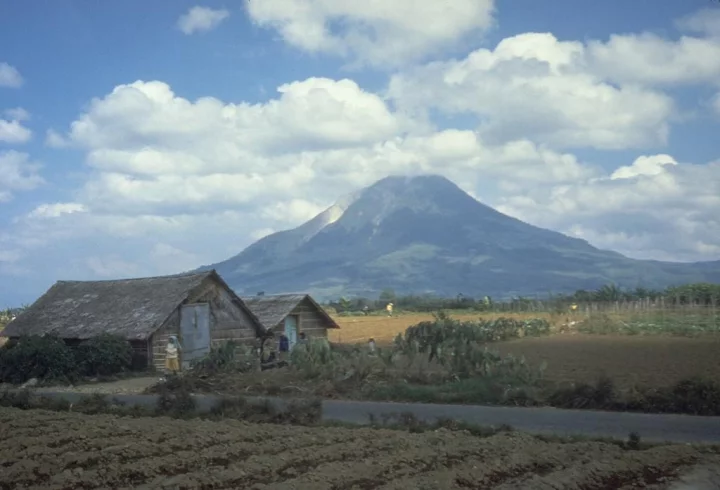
459,344
228,357
314,358
104,355
43,357
51,360
684,325
690,294
699,294
175,398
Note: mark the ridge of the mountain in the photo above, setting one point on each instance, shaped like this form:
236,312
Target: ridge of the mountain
423,234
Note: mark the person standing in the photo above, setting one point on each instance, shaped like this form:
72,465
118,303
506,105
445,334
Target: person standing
389,309
172,354
284,347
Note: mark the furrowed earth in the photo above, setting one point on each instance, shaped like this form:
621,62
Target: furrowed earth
56,450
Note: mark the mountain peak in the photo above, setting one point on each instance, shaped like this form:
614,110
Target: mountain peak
424,234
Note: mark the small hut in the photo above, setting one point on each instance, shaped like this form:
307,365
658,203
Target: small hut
199,308
291,314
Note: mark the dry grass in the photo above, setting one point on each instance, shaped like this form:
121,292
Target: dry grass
359,329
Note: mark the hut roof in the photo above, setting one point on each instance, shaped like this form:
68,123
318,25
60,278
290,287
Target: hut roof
133,308
272,309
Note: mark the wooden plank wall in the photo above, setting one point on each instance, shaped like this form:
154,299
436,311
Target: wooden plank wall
227,322
309,320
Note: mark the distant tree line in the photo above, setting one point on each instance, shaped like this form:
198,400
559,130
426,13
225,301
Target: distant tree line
701,294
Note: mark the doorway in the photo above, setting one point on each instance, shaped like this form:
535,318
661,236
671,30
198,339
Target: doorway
291,329
194,332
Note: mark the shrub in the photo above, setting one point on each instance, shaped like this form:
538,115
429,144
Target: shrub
43,357
104,355
314,358
229,356
600,396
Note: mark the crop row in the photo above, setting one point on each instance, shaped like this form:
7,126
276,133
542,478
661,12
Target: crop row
52,450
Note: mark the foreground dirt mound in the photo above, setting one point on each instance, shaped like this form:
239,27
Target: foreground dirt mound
67,451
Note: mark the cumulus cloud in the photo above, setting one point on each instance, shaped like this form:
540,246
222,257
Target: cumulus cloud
201,19
653,208
17,173
164,166
649,59
173,183
10,76
14,132
534,86
375,32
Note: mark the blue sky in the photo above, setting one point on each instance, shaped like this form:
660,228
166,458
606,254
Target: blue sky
174,146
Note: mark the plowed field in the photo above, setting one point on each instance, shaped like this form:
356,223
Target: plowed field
69,451
383,329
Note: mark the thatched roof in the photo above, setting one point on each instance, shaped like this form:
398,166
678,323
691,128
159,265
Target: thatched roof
133,308
271,310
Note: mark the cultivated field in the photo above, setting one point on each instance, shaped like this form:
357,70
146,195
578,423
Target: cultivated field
355,329
67,451
630,360
627,360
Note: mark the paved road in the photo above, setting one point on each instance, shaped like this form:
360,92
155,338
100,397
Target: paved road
651,427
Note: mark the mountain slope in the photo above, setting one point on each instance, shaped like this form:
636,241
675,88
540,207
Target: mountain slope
425,235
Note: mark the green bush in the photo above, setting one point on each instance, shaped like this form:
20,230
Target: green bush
229,356
104,355
43,357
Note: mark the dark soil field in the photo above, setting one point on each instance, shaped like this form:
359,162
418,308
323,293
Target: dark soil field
43,449
627,360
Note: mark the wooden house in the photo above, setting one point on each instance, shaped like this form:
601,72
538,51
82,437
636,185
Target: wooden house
291,314
199,308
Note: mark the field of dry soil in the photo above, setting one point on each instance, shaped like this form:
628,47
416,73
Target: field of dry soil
43,449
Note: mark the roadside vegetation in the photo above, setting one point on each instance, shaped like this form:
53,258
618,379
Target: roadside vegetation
50,360
440,361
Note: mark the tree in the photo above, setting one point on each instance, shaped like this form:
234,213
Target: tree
387,296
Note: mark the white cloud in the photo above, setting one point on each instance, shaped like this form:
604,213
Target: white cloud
644,165
14,132
53,139
9,256
9,76
649,59
112,267
292,212
165,167
57,209
17,114
17,173
534,86
654,208
374,32
704,21
174,183
201,19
